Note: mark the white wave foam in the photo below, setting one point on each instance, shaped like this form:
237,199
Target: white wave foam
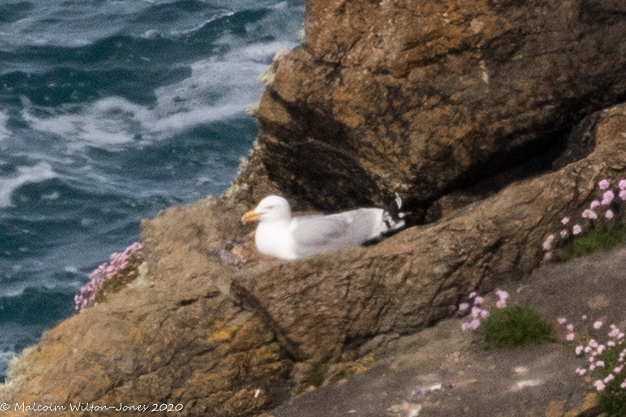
25,175
217,89
4,132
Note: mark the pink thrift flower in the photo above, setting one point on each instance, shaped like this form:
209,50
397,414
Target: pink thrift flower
565,220
593,343
484,314
584,317
610,343
587,349
547,244
599,385
590,214
474,324
604,184
463,306
569,337
609,378
464,326
503,295
564,233
609,214
623,385
570,327
478,300
581,371
620,336
622,194
579,350
597,325
618,369
600,364
594,204
500,304
476,311
592,367
607,198
561,320
601,349
576,229
622,185
472,294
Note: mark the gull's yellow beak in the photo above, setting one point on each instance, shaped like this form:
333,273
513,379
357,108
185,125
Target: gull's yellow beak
250,217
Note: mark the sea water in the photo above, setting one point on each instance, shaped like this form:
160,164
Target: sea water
111,110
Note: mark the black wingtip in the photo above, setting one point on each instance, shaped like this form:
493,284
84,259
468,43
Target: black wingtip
394,215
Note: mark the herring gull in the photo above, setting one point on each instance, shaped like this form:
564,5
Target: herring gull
286,237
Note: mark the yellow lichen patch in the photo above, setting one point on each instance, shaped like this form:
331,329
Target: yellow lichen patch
219,332
590,401
136,334
555,409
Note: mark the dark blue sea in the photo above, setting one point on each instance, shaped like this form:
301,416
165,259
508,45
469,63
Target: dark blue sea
111,110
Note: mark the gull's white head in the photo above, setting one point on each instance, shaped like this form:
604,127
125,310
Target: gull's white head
270,209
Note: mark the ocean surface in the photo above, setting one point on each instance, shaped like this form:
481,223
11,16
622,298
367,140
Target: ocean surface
111,110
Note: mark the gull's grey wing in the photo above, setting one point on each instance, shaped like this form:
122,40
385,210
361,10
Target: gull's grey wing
319,234
319,230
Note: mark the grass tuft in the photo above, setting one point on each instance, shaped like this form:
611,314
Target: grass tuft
612,399
595,240
516,326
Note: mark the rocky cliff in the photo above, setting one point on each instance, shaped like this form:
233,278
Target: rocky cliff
470,111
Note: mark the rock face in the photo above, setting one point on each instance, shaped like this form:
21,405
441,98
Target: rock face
175,337
235,340
428,97
421,97
357,299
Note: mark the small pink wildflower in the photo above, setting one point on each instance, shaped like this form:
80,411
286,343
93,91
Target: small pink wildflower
503,295
607,198
609,378
463,306
500,304
565,220
597,325
589,214
561,320
478,300
473,325
599,385
623,385
579,350
604,184
622,184
618,369
609,214
569,337
570,327
593,343
563,233
622,194
584,317
547,244
476,311
576,229
610,343
472,294
581,371
484,314
594,204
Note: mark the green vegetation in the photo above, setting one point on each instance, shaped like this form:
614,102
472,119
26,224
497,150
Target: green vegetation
516,326
612,399
595,240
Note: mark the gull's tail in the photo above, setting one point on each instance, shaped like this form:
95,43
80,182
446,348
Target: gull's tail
393,216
